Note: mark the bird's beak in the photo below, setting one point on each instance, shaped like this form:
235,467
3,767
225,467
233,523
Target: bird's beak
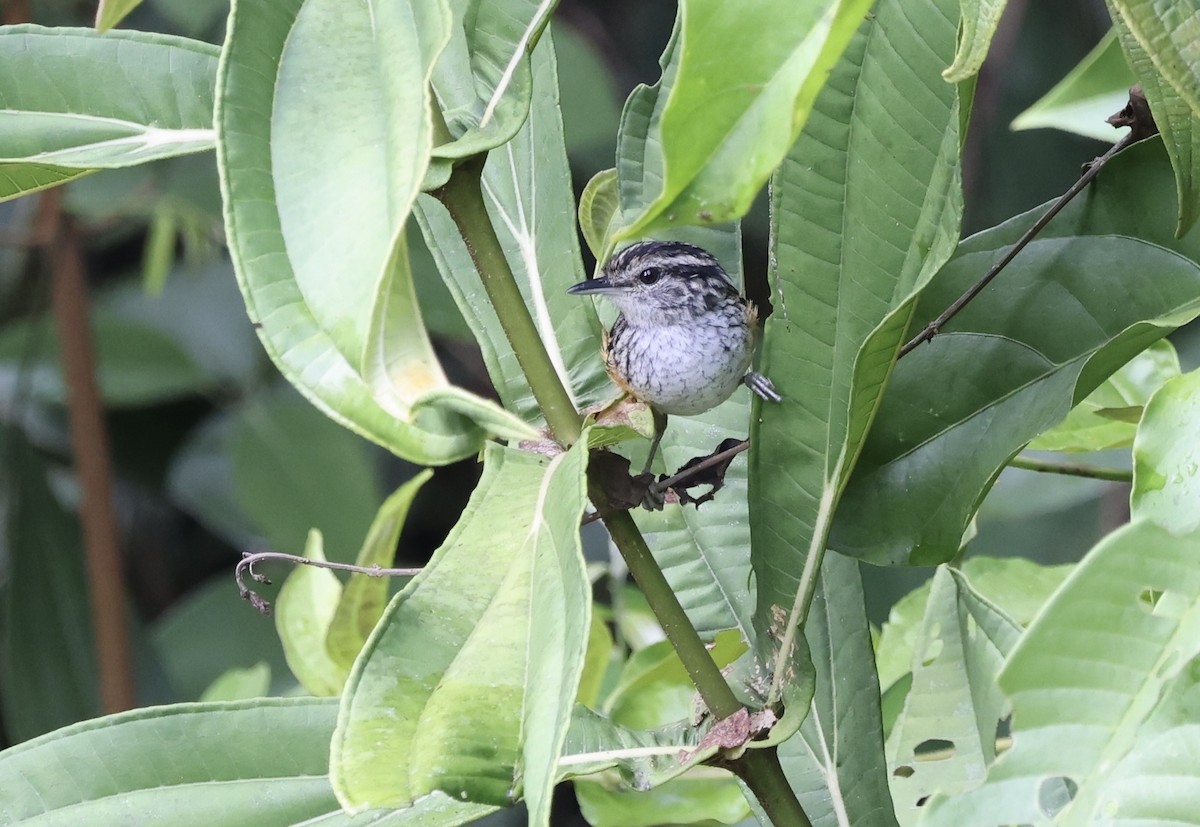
594,287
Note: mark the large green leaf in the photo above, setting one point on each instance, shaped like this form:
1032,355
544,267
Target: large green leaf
260,763
865,207
483,80
1169,32
468,682
1096,88
727,123
1166,457
316,231
72,101
1104,686
47,656
527,189
1056,323
835,763
1178,122
945,739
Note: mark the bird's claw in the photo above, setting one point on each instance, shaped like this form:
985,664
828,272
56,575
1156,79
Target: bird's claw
762,386
654,496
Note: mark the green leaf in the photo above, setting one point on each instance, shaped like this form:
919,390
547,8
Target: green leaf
363,600
22,179
1056,325
1166,457
159,252
1018,587
945,739
239,684
341,321
644,739
1103,420
1103,688
111,12
74,101
705,796
654,688
1096,88
135,364
304,611
47,656
835,763
861,223
977,25
483,79
598,206
1167,31
468,683
1178,123
726,124
527,189
260,762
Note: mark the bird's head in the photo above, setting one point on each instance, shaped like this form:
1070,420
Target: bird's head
661,283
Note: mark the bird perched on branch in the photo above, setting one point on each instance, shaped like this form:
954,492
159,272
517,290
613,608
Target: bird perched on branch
685,336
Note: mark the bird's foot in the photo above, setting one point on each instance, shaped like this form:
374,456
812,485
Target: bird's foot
762,386
655,495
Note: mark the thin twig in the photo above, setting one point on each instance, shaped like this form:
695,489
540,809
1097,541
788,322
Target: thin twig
1071,469
933,328
246,566
708,462
683,476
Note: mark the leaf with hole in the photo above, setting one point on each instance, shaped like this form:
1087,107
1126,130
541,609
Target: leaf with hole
1100,684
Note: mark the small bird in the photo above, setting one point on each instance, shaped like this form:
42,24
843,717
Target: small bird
685,336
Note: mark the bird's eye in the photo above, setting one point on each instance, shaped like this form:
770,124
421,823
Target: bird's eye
649,275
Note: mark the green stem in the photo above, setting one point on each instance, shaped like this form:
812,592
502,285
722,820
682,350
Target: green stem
462,196
1072,469
674,620
763,774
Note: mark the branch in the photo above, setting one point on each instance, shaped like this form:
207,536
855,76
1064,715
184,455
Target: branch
462,196
246,566
1135,115
93,465
1071,469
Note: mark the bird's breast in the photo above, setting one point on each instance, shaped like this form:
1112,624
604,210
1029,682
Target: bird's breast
680,369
